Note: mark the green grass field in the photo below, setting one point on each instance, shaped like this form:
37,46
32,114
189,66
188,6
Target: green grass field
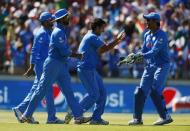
118,122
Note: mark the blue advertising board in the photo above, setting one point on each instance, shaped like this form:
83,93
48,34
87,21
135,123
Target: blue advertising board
119,95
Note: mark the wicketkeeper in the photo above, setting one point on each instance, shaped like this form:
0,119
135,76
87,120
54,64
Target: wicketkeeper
155,53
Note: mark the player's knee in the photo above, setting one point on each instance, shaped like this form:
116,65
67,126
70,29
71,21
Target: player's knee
155,92
155,95
94,96
138,91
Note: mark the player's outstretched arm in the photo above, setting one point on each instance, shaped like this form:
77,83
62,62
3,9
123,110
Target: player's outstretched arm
107,47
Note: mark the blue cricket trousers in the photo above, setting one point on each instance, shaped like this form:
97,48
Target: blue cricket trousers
54,71
154,78
94,86
49,95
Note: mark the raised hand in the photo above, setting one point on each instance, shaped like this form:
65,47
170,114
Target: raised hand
120,36
29,72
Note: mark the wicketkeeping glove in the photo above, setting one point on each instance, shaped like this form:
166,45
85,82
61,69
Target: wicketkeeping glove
138,57
131,59
127,60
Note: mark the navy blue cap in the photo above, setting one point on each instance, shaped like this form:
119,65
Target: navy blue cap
60,14
152,15
45,16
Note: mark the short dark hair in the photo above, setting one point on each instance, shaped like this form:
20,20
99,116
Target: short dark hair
158,23
42,22
98,22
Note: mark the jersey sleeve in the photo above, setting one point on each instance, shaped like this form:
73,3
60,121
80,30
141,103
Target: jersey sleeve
38,41
144,48
96,42
62,45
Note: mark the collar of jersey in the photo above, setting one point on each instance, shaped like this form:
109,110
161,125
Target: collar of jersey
47,30
61,26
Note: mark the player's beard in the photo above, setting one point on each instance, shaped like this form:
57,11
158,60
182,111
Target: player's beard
66,22
51,25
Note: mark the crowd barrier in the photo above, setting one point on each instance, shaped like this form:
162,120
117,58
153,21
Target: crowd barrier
119,95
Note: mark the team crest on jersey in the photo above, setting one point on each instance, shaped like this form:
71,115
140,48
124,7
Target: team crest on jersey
153,38
61,40
149,45
160,41
40,40
148,42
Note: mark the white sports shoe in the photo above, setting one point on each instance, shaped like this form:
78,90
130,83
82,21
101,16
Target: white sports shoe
162,121
18,114
135,122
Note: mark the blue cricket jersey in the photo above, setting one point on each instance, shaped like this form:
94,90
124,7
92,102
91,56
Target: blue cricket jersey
155,48
59,47
88,46
41,45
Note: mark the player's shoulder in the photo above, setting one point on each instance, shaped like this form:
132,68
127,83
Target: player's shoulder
162,36
161,32
90,36
146,32
58,31
40,33
40,30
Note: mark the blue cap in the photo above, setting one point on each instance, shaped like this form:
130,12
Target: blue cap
60,14
45,16
152,15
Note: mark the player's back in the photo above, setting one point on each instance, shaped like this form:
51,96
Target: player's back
59,47
88,47
41,45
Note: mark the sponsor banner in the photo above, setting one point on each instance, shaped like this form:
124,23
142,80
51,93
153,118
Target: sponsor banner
119,96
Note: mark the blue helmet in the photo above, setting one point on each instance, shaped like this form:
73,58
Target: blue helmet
44,16
60,14
152,15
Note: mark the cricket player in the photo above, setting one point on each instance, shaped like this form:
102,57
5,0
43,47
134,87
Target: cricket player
56,70
92,47
155,52
38,55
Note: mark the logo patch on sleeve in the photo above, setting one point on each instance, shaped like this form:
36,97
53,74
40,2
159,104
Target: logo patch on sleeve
61,40
40,40
160,41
